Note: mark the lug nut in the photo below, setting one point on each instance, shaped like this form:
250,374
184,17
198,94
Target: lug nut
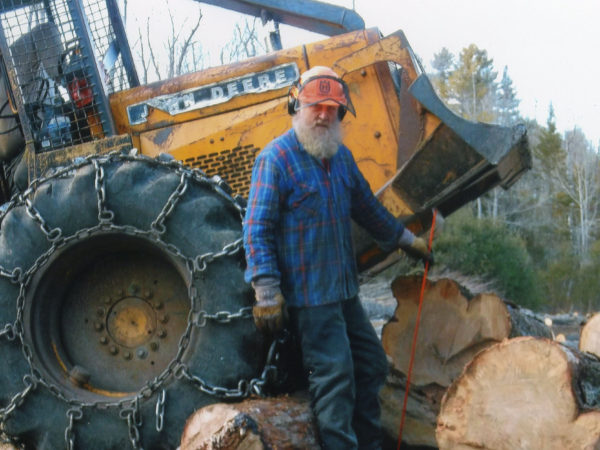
104,340
142,353
113,350
163,318
154,346
127,355
162,334
133,289
98,326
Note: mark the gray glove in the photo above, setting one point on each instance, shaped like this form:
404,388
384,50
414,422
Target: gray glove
415,247
269,311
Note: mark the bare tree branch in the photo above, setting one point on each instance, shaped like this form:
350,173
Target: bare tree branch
186,45
152,56
145,64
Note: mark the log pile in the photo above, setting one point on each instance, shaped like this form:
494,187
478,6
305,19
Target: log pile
455,325
486,375
523,393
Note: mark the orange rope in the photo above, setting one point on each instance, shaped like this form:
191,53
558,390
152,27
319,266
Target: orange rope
416,333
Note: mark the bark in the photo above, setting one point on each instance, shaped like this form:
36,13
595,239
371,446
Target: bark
523,393
422,408
590,336
455,325
254,424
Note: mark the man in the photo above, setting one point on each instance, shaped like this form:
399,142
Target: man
305,190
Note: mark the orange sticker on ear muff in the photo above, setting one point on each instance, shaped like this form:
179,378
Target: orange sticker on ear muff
292,99
294,92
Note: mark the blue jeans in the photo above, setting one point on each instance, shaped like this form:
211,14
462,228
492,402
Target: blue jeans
347,367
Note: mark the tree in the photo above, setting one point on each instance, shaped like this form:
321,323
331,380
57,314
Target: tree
491,251
472,85
549,149
443,63
244,44
164,51
507,103
553,207
582,186
165,56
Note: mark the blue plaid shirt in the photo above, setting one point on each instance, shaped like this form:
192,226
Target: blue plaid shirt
297,226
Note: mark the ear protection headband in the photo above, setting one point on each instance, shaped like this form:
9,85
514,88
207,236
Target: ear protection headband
342,99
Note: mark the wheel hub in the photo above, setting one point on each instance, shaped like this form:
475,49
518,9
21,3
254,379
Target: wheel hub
112,308
131,322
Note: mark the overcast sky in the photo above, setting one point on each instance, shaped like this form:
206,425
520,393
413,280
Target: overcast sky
549,46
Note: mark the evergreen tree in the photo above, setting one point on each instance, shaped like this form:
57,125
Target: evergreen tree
507,102
443,63
549,148
550,220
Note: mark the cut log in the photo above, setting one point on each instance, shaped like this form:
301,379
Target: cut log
589,341
523,393
255,424
455,325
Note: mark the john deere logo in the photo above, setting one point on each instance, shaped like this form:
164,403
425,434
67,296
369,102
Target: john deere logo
324,87
215,93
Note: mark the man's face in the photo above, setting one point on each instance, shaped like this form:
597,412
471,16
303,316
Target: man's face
319,115
318,129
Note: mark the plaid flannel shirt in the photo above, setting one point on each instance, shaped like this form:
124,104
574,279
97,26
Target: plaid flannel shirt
298,222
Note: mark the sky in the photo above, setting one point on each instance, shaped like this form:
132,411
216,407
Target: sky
550,47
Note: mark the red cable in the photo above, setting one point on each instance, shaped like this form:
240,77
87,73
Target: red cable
414,342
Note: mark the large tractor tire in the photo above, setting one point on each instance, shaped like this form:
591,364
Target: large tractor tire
122,305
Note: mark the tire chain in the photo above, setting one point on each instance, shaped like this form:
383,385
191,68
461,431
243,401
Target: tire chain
129,407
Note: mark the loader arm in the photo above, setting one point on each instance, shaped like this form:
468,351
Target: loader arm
309,15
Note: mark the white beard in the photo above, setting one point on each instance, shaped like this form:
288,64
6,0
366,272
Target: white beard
321,142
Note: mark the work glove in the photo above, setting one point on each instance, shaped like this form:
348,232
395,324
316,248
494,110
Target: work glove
420,245
269,311
415,247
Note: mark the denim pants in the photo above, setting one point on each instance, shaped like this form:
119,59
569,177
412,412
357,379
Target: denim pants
347,367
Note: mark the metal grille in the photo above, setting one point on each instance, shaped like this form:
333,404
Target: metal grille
106,46
48,46
233,165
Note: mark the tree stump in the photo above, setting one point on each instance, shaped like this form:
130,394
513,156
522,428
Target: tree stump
283,423
523,393
589,341
455,325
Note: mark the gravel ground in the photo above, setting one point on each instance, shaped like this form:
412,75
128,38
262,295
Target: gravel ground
378,301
